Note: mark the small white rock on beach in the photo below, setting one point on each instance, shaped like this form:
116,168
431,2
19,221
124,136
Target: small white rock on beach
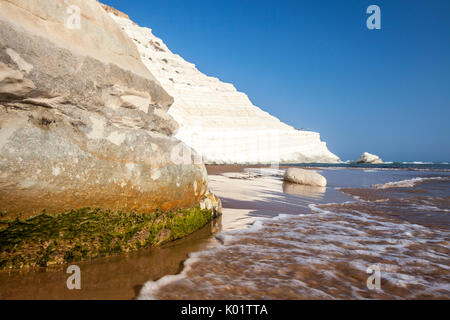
305,177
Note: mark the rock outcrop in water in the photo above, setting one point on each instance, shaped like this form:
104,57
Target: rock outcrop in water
215,119
370,159
82,121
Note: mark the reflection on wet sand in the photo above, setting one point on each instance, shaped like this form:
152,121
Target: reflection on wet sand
304,191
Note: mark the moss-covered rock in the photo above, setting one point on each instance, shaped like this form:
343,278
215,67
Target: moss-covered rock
90,233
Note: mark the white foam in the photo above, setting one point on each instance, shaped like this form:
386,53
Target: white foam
151,287
316,209
417,162
430,208
407,183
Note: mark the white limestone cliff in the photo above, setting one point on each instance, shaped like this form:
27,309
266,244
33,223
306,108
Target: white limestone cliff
214,118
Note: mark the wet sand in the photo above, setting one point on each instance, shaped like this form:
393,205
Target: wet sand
320,246
246,199
219,169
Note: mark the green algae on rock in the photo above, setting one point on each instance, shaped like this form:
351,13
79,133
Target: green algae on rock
91,233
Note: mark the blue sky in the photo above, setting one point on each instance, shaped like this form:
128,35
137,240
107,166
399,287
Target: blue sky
314,64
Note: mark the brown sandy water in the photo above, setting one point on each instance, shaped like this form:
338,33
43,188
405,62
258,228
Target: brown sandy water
116,277
324,251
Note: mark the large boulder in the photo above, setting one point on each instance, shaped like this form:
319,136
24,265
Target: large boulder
82,121
305,177
370,159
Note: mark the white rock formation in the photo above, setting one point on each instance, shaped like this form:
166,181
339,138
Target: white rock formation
215,119
370,158
305,177
83,122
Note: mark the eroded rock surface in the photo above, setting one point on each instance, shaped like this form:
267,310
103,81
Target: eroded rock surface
82,121
213,203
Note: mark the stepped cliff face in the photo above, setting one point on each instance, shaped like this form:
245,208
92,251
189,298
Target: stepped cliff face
82,121
214,118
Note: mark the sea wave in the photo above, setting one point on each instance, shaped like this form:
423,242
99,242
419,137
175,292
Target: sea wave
419,162
410,183
282,258
150,289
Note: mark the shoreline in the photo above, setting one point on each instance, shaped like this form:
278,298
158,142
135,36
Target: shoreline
328,230
123,276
